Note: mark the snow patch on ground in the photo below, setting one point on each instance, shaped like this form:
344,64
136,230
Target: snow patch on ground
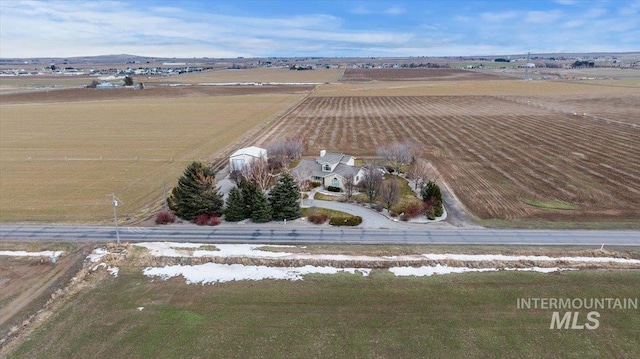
211,273
168,249
97,254
500,257
49,254
440,269
113,271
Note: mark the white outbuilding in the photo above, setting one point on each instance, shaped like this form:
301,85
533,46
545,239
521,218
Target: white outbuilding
245,156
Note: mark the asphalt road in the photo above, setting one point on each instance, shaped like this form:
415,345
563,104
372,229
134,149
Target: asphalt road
291,235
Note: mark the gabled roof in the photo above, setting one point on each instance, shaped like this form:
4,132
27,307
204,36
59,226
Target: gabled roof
333,158
252,151
310,168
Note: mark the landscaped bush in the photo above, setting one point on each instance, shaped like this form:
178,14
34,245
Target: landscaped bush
315,184
318,218
378,207
413,210
345,221
207,220
165,217
334,189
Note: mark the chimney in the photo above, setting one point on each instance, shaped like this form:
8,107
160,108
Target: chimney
323,152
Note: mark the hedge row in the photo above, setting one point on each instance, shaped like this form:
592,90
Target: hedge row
345,221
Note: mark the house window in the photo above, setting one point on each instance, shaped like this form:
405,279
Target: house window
357,178
335,182
327,168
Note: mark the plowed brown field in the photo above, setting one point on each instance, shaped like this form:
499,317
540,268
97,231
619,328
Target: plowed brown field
496,153
414,74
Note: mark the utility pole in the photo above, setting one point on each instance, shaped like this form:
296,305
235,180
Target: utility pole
115,216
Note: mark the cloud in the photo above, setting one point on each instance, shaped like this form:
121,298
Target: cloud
74,28
395,10
498,16
543,17
566,2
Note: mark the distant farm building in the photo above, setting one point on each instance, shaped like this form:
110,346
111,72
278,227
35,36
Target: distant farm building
244,157
106,85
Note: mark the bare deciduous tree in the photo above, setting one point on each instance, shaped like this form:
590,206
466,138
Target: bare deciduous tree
257,172
398,154
390,193
283,152
371,182
349,185
418,171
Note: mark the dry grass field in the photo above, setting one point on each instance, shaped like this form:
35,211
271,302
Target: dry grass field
11,84
251,75
60,160
504,159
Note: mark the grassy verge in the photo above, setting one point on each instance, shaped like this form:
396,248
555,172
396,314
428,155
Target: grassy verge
338,316
556,204
534,224
329,212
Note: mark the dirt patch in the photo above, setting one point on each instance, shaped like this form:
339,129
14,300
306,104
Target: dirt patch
34,297
28,282
88,94
358,75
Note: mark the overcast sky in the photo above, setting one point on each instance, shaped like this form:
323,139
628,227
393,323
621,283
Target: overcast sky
261,28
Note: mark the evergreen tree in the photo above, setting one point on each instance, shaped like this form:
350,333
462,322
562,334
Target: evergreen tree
431,193
248,191
284,198
260,210
431,190
235,210
196,193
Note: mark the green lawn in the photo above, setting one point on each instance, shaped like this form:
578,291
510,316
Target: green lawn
338,316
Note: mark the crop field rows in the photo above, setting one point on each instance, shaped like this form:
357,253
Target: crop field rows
621,108
444,74
496,154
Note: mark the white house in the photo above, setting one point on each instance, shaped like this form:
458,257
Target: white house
244,156
330,169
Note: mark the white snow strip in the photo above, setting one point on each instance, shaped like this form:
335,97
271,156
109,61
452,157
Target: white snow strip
500,257
211,273
167,249
31,254
439,269
97,254
140,308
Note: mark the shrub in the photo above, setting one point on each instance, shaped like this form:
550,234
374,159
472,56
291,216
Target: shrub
394,214
413,210
207,220
165,217
334,189
317,218
345,221
315,184
378,207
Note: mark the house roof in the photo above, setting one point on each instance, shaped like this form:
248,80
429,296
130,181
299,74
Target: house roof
252,151
311,168
333,158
